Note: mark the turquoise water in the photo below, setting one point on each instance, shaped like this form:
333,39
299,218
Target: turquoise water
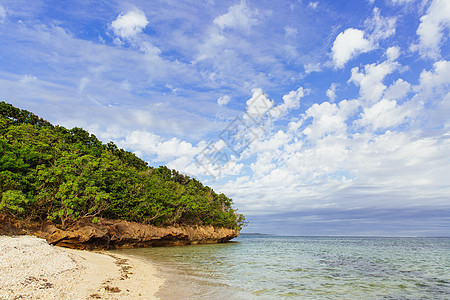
275,267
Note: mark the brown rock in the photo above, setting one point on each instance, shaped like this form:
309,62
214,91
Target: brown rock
113,234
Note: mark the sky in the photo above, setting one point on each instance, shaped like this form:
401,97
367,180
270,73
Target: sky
315,117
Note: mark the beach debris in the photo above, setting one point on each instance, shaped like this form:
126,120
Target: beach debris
111,289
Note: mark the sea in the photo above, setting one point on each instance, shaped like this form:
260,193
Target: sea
296,267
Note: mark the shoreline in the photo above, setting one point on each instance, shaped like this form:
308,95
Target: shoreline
30,268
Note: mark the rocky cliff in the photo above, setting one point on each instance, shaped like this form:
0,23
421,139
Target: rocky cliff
114,234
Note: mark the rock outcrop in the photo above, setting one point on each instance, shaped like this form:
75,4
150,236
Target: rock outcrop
114,234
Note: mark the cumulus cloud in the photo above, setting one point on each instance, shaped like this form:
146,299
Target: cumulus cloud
152,145
291,100
141,141
432,28
398,90
342,149
328,118
370,79
433,94
439,76
259,104
222,101
128,25
384,114
331,165
239,16
331,92
393,53
348,44
352,42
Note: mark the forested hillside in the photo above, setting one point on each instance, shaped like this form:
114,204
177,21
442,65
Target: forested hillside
52,173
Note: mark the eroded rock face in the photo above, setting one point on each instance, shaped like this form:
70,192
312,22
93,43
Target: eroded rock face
114,234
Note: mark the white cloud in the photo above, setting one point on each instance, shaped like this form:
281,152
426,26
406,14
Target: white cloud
2,14
222,101
439,76
328,118
371,79
331,162
125,84
259,104
310,68
221,45
352,42
212,45
148,144
313,5
393,53
400,2
175,148
28,78
331,92
401,161
398,90
239,16
150,50
130,24
142,141
83,83
264,164
349,44
290,32
380,28
384,114
291,100
390,142
431,30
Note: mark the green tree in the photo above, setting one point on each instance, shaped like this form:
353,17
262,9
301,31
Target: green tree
13,203
50,172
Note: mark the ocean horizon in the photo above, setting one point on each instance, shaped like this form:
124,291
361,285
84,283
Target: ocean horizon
262,266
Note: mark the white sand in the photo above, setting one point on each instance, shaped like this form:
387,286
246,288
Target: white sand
32,269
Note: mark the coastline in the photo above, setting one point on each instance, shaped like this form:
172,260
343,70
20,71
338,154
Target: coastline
109,234
30,268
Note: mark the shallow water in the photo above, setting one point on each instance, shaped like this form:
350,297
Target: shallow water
280,267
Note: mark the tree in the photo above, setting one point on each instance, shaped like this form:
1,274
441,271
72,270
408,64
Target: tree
13,203
50,172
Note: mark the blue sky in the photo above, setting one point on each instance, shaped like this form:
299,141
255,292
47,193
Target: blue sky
316,117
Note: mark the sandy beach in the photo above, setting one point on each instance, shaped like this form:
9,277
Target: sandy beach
30,268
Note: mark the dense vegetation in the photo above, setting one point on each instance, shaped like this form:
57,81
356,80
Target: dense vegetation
52,173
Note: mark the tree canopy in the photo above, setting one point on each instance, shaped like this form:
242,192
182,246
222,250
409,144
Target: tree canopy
52,173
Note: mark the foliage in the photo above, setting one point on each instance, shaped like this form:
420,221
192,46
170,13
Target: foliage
50,172
13,202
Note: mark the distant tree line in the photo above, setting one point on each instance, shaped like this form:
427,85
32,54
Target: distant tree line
52,173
